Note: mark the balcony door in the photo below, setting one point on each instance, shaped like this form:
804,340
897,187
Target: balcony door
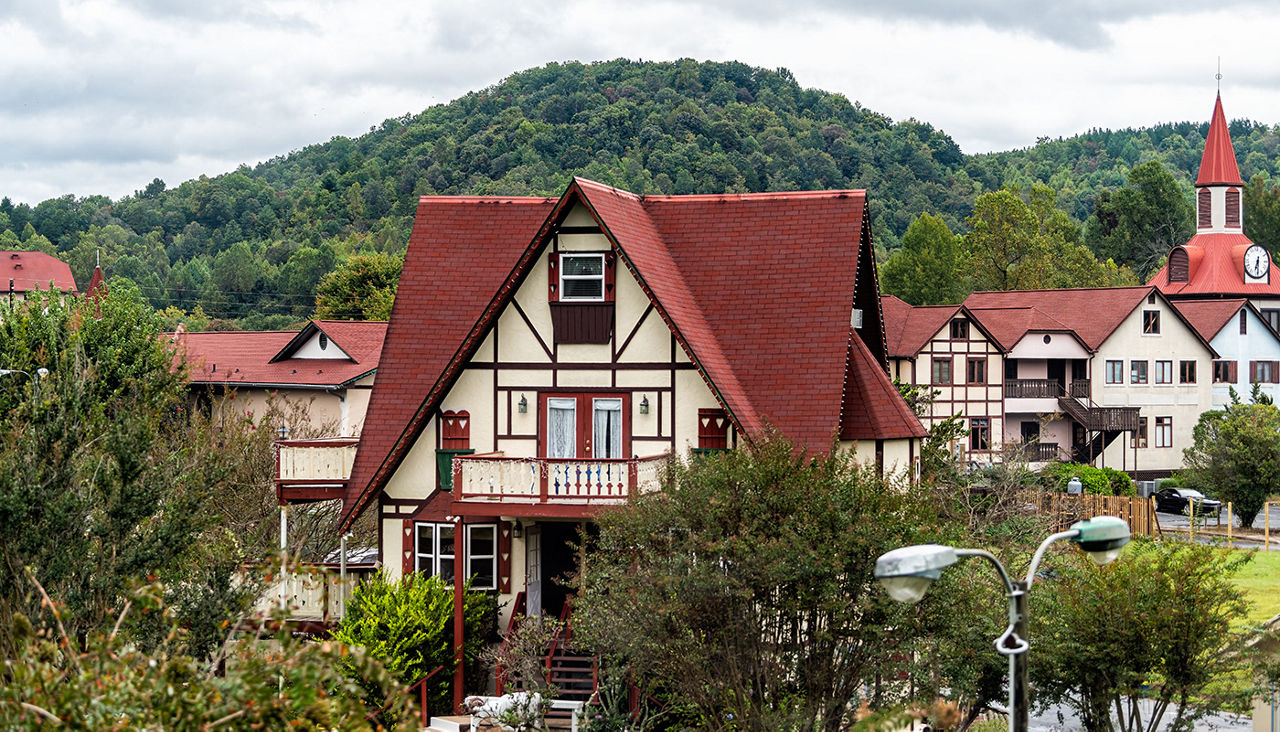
586,426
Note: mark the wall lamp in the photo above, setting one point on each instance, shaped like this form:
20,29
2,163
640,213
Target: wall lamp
907,573
523,405
644,404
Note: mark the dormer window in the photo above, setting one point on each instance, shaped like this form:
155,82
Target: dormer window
581,278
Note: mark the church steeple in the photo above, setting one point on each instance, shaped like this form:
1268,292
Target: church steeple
1218,164
1218,184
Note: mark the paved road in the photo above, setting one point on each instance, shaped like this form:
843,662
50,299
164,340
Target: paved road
1175,523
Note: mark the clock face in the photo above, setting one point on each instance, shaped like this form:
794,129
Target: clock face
1256,262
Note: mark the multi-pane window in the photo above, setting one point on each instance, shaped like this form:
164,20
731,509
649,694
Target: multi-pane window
976,371
1115,372
1224,372
1139,438
959,330
1164,431
941,371
435,546
1272,316
1151,321
979,433
1137,372
581,277
1164,372
1264,372
1186,372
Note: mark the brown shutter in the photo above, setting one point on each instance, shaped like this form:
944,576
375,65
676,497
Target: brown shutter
407,549
1179,265
1253,371
609,260
1204,217
1275,372
553,277
1233,207
504,557
1235,372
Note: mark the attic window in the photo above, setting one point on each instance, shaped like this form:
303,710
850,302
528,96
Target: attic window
582,278
959,329
324,341
1179,266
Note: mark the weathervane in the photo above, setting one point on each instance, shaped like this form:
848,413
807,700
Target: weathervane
1218,75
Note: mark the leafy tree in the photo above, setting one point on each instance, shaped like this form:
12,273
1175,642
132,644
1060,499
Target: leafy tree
408,626
361,288
1158,625
1262,213
743,590
926,269
1236,456
1004,246
104,681
1137,225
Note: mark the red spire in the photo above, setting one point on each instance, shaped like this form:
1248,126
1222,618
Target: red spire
1218,166
97,285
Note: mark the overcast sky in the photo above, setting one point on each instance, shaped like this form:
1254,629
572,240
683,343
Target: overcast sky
101,96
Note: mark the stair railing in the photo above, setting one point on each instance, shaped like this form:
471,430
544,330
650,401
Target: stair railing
513,625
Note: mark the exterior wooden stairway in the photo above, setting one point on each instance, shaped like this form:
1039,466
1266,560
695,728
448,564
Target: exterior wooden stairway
1102,424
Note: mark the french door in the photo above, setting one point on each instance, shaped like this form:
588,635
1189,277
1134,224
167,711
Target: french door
586,426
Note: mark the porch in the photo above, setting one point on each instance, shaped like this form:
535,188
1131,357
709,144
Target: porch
493,483
313,470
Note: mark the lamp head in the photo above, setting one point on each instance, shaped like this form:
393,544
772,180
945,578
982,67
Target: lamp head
907,573
1101,537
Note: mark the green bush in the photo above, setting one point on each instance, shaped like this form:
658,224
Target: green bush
408,626
1096,481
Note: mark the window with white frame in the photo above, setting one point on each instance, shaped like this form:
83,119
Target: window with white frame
1164,431
582,277
435,546
1115,372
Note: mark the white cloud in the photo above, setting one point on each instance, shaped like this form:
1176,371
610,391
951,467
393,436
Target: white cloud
101,96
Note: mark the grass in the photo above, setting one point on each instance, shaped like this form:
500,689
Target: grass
1260,580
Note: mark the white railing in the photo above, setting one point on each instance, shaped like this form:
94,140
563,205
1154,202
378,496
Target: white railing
316,460
547,480
312,592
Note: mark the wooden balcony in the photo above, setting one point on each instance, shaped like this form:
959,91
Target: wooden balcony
1032,389
1043,452
490,484
313,592
314,470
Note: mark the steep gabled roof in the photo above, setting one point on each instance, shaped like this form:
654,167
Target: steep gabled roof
240,358
29,271
757,289
1209,316
1218,164
1092,314
873,408
360,340
97,285
1216,267
907,328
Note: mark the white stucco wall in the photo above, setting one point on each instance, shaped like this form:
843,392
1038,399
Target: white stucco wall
1257,344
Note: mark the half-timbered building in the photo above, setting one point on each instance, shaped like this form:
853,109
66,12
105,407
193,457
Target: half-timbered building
545,356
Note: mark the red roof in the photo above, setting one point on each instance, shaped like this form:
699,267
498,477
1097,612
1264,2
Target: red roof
1091,314
30,271
907,328
1218,164
1216,267
97,285
757,289
246,358
1209,316
873,409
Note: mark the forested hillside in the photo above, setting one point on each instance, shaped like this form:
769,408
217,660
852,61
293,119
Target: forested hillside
252,245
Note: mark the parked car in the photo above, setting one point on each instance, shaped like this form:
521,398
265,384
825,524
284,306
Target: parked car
1179,500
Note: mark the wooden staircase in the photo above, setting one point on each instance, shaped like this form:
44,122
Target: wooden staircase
1102,424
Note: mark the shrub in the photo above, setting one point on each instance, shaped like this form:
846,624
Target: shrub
408,626
1096,481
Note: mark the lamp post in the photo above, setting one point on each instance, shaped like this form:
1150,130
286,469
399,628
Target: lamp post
907,573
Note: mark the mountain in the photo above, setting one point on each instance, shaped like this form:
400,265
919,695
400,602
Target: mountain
253,243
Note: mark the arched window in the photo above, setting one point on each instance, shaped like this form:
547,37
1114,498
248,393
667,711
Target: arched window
1179,265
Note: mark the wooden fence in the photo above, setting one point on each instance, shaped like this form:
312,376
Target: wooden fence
1067,509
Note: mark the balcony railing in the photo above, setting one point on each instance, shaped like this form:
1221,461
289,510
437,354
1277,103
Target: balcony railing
310,470
497,478
312,591
1032,389
1080,388
1043,452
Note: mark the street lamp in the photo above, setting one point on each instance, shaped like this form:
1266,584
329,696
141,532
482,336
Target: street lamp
41,372
907,573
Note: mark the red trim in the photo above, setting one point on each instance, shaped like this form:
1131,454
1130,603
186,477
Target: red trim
532,510
504,557
407,549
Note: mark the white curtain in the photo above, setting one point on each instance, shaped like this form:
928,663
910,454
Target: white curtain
607,428
562,428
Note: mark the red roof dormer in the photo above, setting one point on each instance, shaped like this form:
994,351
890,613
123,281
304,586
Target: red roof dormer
1218,165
